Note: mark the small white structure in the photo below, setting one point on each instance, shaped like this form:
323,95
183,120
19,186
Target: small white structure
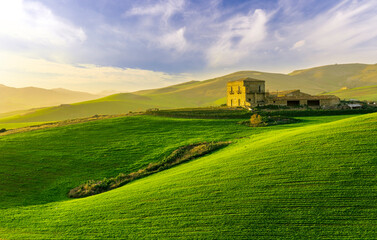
354,105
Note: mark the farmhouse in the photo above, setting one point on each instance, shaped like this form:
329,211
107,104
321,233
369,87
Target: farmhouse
248,92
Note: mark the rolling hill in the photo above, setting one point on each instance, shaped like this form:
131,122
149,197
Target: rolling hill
313,179
207,93
368,93
13,99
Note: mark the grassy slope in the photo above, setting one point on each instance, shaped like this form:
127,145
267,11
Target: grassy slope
41,166
337,76
301,181
360,93
208,93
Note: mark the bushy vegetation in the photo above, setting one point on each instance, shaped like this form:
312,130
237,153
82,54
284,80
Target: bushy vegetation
316,112
257,120
180,155
241,113
204,113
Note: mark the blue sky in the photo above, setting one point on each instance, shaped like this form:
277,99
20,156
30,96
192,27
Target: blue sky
95,45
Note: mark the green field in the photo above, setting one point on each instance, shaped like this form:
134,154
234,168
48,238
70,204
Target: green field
368,93
211,92
313,179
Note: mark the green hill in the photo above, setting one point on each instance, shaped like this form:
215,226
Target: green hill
314,179
368,93
210,92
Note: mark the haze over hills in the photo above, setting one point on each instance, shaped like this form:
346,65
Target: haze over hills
209,92
12,99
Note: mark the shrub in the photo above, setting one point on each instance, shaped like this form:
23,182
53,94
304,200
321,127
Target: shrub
178,156
256,120
3,130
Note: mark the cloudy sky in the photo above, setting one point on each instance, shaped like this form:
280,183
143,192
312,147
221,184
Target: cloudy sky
126,45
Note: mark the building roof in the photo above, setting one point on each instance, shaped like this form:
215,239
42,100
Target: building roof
283,93
352,105
296,94
247,79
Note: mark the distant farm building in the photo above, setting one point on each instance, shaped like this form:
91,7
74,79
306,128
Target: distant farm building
355,106
250,92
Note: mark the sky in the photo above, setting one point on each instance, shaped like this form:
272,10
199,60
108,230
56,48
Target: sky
125,45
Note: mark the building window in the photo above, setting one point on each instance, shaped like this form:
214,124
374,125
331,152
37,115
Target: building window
313,103
249,99
293,103
239,102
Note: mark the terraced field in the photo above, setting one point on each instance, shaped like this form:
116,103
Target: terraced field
313,179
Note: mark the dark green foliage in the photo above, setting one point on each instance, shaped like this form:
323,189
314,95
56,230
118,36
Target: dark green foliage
3,130
240,113
262,121
316,112
204,113
180,155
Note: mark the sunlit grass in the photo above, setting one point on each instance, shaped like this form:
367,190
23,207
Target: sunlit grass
313,179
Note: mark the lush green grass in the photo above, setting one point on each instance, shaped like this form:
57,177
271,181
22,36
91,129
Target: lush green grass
41,166
314,179
368,93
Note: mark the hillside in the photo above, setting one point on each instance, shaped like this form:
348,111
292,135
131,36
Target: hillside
368,93
210,92
12,99
45,164
339,75
301,181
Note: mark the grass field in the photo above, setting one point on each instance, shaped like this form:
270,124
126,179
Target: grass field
313,179
41,166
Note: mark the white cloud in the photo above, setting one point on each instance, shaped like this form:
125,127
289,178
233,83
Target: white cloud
174,40
21,71
166,9
344,30
298,44
240,37
32,22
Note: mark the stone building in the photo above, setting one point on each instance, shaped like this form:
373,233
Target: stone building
248,92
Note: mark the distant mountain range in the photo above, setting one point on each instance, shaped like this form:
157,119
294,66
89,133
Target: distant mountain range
12,99
208,93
